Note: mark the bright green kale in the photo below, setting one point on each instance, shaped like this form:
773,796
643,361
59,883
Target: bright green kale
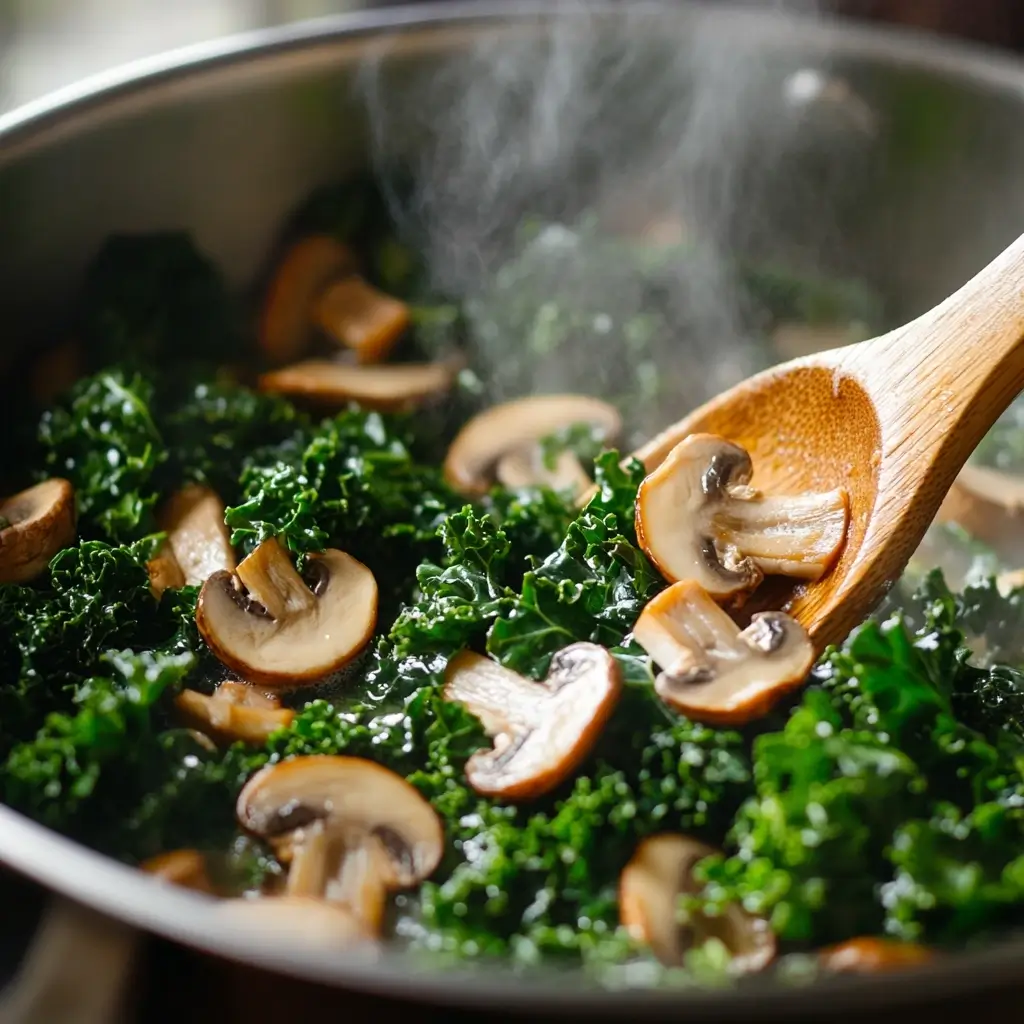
103,439
76,770
153,299
592,588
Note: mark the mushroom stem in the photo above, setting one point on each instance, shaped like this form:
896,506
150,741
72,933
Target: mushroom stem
271,579
310,851
785,536
361,882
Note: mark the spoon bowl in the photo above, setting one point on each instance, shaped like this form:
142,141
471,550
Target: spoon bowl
892,420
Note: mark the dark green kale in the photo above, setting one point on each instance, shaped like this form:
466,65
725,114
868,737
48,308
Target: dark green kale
74,774
351,482
154,299
592,588
103,438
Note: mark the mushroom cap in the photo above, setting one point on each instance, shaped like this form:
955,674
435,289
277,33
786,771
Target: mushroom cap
307,267
872,955
352,796
515,425
193,519
282,633
698,519
711,670
300,920
395,387
42,521
362,318
541,731
659,871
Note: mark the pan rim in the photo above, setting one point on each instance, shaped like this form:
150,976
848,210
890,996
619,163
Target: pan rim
126,894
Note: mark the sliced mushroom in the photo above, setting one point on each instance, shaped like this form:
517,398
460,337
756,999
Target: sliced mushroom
351,830
988,504
187,868
308,267
518,426
871,955
697,519
712,671
362,318
393,388
541,731
164,571
234,712
526,467
34,525
271,626
300,919
649,889
193,520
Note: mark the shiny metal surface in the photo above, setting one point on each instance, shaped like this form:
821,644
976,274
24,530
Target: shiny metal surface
920,190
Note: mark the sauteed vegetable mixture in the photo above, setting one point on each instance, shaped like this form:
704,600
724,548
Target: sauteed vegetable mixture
294,614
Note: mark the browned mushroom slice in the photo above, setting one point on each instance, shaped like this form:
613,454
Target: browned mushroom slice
541,731
234,712
164,571
988,504
193,520
516,427
34,525
351,830
871,955
276,628
697,519
649,889
308,267
187,868
711,670
362,318
300,920
393,388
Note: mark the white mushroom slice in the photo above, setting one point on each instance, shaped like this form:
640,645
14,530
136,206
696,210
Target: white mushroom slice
697,519
271,626
352,830
307,268
526,467
649,889
711,670
300,920
988,504
234,712
362,318
34,525
541,731
193,520
517,425
392,388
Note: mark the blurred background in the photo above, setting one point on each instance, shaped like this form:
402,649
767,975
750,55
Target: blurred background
45,44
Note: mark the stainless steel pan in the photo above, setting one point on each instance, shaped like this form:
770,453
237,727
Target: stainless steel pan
885,154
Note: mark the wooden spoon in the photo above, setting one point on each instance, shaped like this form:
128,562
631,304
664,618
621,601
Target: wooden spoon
892,420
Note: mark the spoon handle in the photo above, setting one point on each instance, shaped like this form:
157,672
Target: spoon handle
940,382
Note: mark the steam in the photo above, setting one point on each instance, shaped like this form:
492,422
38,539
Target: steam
642,118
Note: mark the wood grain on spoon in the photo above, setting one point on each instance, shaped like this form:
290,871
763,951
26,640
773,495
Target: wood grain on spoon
892,420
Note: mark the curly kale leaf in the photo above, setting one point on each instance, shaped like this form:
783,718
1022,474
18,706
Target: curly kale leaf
61,776
214,427
103,438
153,299
592,588
351,482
